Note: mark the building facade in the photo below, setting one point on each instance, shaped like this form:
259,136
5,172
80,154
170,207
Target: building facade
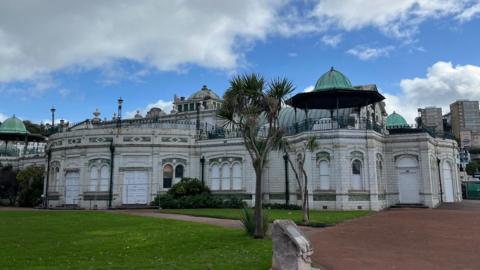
432,118
363,162
465,116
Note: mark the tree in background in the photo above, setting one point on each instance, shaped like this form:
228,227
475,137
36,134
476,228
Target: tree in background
30,182
8,184
472,167
248,103
299,169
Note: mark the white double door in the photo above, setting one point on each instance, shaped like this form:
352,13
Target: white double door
135,187
72,187
408,186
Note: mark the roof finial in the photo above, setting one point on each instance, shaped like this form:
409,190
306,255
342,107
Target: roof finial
332,69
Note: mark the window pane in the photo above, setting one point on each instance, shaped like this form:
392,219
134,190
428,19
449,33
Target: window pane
237,176
167,176
225,177
215,177
179,171
356,167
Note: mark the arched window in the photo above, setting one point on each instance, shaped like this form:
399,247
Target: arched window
357,183
381,189
225,177
104,178
237,176
178,173
324,175
215,177
93,179
167,176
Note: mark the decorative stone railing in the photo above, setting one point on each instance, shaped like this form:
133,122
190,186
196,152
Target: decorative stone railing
291,248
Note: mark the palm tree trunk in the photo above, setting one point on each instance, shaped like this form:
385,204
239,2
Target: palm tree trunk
258,204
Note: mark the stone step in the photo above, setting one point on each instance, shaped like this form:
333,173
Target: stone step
408,205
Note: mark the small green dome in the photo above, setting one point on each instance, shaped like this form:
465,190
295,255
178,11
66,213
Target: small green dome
204,93
13,125
333,79
395,120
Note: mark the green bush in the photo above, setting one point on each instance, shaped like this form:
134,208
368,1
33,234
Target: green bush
30,181
282,206
188,187
203,200
191,193
248,221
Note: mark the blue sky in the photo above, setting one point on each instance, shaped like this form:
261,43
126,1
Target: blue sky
83,56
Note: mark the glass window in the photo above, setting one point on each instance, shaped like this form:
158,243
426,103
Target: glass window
104,178
179,171
167,176
192,106
237,176
215,177
357,182
225,177
93,179
324,175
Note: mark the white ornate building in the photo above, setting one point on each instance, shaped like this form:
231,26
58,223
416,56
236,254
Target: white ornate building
365,160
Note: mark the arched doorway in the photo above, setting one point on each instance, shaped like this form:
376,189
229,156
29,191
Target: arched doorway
448,182
408,184
72,187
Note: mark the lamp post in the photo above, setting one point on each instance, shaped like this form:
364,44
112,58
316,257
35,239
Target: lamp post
119,113
52,110
287,184
202,162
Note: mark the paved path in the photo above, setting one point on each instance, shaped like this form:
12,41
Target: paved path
404,239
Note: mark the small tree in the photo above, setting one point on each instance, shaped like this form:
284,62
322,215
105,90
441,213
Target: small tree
299,170
248,103
8,184
30,181
472,167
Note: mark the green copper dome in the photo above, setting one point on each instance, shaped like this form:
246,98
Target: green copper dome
395,120
13,125
333,79
204,93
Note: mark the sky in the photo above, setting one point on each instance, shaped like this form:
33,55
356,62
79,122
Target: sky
82,55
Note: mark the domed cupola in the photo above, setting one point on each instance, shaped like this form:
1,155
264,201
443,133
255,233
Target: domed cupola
395,120
333,79
204,93
13,125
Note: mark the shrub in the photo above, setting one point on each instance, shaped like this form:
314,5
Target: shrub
203,200
282,206
188,187
30,181
248,221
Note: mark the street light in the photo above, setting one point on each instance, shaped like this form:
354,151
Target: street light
119,113
202,162
53,116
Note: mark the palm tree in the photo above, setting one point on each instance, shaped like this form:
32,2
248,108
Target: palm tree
251,104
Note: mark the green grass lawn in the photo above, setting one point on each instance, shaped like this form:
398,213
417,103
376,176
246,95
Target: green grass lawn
99,240
316,217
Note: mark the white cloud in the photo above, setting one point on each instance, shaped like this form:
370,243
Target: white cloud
293,54
368,53
332,41
164,35
2,117
309,88
469,13
399,18
442,85
166,106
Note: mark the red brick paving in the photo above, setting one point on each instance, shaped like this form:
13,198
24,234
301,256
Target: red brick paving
403,239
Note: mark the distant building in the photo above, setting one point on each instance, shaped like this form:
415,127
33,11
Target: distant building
431,118
465,117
